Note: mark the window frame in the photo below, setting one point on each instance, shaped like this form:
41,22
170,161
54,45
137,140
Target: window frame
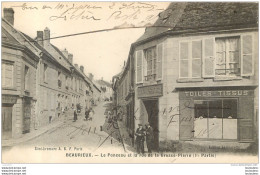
222,113
227,56
190,59
26,79
3,80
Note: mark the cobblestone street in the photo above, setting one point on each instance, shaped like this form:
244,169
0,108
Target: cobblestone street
85,135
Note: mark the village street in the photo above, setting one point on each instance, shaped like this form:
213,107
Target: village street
83,134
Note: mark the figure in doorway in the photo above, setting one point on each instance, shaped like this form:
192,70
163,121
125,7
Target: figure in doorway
140,139
149,137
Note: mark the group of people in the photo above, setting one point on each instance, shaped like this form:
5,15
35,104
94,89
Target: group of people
143,134
89,114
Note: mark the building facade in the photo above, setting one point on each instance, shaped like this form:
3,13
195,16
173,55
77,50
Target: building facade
196,80
40,84
19,66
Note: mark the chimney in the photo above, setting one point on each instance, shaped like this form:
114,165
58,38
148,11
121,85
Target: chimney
65,53
40,38
81,68
46,36
9,15
76,65
70,58
102,78
91,76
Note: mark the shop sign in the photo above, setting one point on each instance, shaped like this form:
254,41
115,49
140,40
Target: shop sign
9,99
219,93
150,91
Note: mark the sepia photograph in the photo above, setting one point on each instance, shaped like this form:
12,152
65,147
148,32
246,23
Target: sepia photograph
130,82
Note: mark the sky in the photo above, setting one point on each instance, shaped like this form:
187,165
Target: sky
102,54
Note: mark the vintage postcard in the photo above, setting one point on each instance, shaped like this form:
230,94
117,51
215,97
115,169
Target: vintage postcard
129,82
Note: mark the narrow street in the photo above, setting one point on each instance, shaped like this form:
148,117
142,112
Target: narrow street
81,134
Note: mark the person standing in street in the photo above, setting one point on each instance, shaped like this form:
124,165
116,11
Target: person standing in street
140,139
149,137
75,115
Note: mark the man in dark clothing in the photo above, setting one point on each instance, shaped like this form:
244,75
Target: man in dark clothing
75,115
87,114
140,139
149,137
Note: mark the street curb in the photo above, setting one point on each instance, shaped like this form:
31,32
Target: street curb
23,139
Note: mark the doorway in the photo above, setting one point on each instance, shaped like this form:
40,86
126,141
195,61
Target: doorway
7,121
152,111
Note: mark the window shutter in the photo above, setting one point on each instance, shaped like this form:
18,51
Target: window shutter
208,57
186,119
139,66
159,61
196,59
184,60
247,55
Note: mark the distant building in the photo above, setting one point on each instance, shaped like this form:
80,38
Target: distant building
106,89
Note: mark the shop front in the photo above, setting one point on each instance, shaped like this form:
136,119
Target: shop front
225,114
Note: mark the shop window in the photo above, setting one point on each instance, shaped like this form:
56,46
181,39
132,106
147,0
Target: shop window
7,75
227,57
215,119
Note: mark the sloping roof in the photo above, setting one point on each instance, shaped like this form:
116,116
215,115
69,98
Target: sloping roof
104,83
202,15
39,47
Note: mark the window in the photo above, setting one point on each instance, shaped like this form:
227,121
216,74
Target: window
45,67
149,64
7,75
150,58
215,118
212,57
190,59
67,83
59,80
227,56
26,78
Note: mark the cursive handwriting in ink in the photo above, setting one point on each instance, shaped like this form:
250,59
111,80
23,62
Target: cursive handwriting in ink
75,13
24,6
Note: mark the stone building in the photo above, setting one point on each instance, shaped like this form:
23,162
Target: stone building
19,67
196,77
39,81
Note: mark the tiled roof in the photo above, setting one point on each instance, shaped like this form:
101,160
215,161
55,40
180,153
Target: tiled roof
204,15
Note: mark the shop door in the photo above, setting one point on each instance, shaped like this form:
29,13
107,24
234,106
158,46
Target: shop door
7,121
27,116
152,111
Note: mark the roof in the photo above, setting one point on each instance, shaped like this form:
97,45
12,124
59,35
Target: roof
104,83
203,15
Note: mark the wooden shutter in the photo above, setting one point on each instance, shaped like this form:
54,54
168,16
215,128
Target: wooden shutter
196,58
245,120
139,66
184,60
208,57
247,62
186,119
159,61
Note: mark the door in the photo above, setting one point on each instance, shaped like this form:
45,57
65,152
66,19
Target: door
7,121
152,111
